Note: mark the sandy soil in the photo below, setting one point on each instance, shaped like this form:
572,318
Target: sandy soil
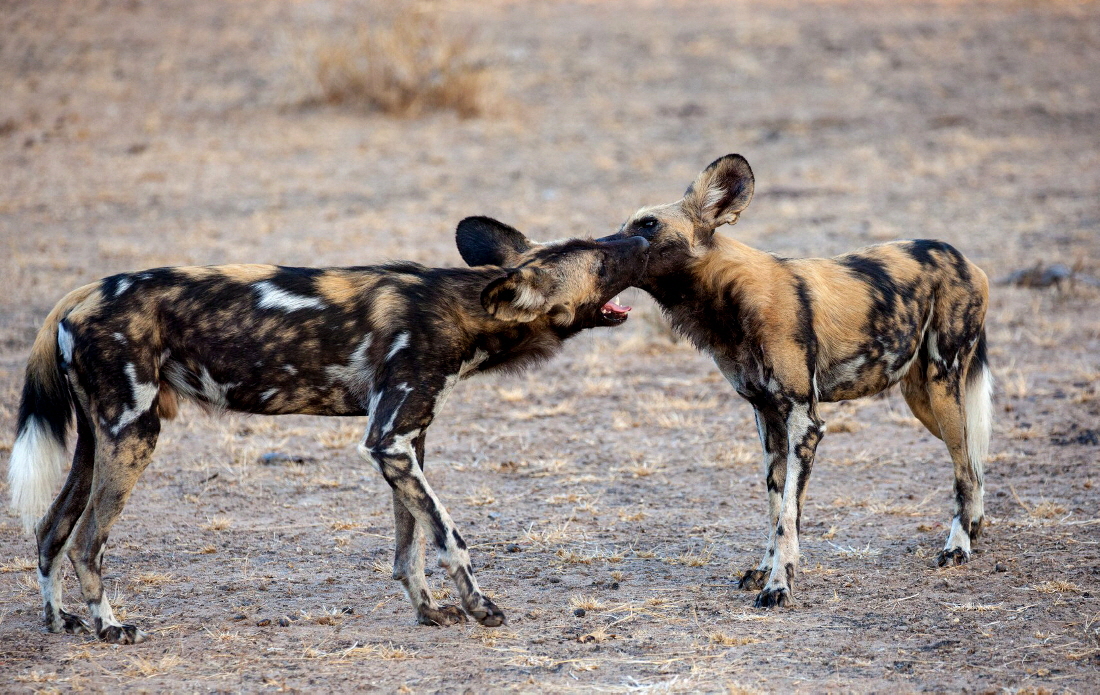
624,476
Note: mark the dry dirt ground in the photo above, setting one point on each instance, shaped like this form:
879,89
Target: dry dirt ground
624,476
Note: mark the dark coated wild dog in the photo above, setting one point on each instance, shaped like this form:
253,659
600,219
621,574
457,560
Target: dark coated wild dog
790,333
387,341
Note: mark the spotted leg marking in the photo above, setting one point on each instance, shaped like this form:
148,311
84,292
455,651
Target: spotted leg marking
399,419
773,438
804,431
408,562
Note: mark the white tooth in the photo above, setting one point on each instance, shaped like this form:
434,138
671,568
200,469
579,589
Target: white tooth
616,300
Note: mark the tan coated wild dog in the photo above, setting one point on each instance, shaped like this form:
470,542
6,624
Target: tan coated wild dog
790,333
387,341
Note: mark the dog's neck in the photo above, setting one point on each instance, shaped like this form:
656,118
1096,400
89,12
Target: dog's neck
707,298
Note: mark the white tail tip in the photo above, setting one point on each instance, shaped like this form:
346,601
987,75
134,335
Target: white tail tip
37,461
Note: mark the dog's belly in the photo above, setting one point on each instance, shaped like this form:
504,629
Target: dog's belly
268,390
860,376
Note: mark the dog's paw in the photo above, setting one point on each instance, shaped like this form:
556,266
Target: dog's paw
773,596
442,616
487,613
74,624
753,580
122,634
955,556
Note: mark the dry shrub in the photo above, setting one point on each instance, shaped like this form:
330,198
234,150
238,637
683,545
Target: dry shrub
405,65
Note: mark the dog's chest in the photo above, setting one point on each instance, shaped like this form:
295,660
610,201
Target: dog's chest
746,374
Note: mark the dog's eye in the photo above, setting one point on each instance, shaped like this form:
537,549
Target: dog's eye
647,223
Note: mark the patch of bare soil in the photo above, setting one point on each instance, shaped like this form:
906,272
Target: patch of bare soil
624,477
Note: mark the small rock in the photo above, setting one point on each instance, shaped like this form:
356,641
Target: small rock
554,580
614,585
347,610
284,622
513,548
494,515
239,616
272,458
579,612
264,623
1001,567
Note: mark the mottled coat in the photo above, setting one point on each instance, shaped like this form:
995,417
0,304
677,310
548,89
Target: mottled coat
789,333
387,341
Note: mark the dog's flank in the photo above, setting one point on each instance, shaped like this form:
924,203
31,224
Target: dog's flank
790,333
388,342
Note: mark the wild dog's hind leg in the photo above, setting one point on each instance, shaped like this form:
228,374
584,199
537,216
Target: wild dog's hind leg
408,561
773,439
122,453
804,431
945,399
56,527
397,417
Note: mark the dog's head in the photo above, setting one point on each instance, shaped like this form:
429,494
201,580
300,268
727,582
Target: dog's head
573,281
678,231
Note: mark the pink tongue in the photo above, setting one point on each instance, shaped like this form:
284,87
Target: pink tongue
616,308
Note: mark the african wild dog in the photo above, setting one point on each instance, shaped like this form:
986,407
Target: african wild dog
387,341
790,333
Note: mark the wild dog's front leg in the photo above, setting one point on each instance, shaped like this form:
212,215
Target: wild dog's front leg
408,568
804,431
390,444
773,438
408,561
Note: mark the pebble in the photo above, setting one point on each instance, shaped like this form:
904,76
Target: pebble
264,623
579,612
283,622
1001,567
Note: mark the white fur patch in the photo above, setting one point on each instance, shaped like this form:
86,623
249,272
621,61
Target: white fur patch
272,297
65,343
209,391
123,285
290,369
143,394
357,374
266,395
957,538
37,462
397,408
399,343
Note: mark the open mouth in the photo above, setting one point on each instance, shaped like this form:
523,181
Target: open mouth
613,312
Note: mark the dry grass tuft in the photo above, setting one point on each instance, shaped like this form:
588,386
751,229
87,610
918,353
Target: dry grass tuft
405,66
217,523
699,559
722,639
1057,586
153,578
586,603
146,668
17,564
385,652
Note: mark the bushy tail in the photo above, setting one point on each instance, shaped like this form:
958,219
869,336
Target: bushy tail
39,455
979,408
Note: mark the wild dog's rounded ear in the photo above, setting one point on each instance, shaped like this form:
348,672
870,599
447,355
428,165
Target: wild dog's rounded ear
522,295
484,241
720,192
